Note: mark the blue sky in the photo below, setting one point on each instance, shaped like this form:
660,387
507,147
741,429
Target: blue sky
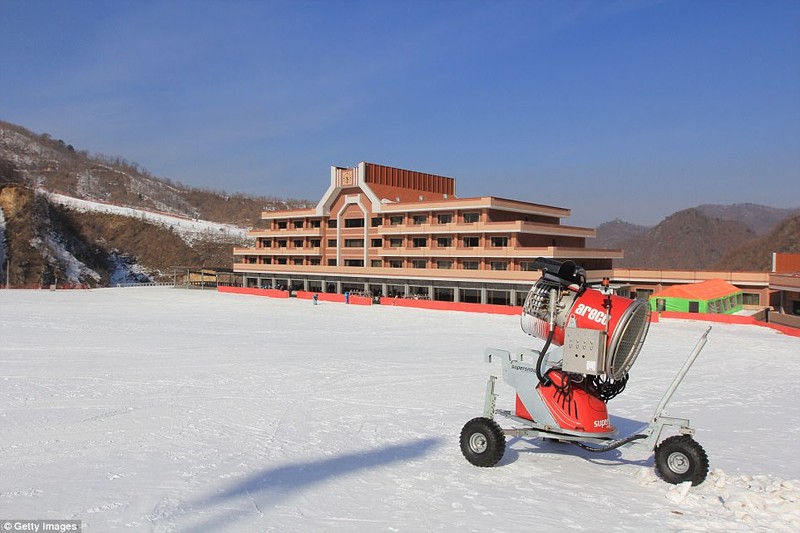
614,109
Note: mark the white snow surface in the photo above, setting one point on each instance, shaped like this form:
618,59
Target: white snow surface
188,229
2,242
160,409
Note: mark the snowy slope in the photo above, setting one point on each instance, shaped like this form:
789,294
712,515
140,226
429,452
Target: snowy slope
189,230
172,410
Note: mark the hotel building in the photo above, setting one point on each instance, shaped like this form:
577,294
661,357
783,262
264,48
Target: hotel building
394,232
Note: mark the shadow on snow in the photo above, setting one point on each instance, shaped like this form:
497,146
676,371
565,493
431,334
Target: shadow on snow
266,488
625,427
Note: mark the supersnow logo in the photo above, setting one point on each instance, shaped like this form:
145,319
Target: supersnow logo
595,315
604,423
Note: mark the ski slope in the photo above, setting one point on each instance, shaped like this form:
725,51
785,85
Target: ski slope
159,409
188,229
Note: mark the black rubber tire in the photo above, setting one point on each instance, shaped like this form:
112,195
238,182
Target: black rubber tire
680,459
483,443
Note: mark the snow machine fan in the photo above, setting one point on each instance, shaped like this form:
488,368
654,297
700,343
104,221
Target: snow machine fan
561,300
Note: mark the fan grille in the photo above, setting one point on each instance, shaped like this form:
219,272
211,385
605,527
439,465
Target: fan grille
627,340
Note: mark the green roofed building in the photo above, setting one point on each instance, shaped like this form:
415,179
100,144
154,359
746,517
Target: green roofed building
711,296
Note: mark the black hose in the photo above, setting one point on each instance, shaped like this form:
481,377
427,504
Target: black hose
613,446
542,354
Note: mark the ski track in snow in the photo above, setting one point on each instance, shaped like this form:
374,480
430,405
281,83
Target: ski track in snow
156,409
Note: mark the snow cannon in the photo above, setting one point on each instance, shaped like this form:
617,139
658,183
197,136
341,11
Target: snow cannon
591,340
560,305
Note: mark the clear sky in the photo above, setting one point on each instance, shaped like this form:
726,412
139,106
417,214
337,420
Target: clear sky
614,109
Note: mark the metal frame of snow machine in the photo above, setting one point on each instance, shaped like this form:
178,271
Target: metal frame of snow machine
678,458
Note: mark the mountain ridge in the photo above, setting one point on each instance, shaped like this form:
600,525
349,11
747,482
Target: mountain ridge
47,240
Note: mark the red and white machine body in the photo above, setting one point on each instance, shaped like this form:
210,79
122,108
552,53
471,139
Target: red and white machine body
597,336
592,338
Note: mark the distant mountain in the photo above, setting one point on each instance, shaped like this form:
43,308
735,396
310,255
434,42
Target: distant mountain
611,234
756,255
45,241
759,218
42,162
686,240
738,237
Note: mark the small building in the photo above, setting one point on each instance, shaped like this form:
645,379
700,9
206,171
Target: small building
713,296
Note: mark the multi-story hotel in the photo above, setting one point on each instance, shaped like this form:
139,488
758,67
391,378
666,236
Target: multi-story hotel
388,231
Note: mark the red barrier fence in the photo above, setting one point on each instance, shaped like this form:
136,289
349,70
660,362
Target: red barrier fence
730,319
453,306
491,308
333,297
272,293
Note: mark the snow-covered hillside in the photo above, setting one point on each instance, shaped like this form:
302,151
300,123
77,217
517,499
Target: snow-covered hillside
190,230
157,409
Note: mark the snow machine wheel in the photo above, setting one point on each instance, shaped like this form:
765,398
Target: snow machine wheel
681,458
482,442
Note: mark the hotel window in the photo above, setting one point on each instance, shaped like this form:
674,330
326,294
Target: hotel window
354,223
315,243
297,261
395,263
266,243
314,261
331,243
396,220
470,265
751,299
444,264
444,242
419,242
471,242
376,243
499,265
420,219
444,218
282,243
471,217
281,224
377,221
354,243
395,243
331,262
354,262
315,223
281,260
376,263
419,263
298,243
332,223
298,224
499,242
527,266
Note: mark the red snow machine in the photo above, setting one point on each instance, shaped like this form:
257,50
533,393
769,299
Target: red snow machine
562,393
